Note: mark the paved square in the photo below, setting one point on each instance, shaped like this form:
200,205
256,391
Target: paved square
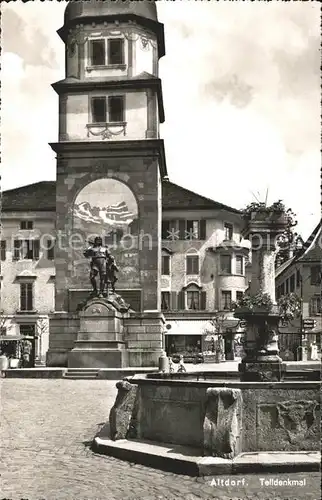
45,428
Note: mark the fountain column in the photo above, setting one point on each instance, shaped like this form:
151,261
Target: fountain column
261,361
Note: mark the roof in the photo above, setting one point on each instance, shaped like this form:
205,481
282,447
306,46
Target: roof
177,197
33,197
42,197
78,9
310,252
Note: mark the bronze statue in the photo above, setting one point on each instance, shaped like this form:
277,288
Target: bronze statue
102,265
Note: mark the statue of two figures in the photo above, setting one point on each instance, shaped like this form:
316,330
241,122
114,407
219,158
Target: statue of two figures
102,268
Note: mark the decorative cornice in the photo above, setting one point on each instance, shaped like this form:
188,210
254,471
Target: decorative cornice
116,149
167,250
190,284
156,27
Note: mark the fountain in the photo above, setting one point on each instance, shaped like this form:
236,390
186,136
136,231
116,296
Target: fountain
194,424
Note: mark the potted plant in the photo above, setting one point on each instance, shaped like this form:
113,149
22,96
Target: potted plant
260,302
259,211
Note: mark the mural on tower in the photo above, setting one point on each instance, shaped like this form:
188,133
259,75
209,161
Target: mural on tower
107,208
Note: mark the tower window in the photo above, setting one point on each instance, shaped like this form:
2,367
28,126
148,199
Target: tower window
106,52
97,52
116,108
115,51
99,109
111,110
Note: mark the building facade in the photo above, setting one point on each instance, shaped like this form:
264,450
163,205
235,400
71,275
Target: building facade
203,269
27,264
302,275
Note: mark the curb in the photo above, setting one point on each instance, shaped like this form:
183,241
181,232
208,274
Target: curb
187,461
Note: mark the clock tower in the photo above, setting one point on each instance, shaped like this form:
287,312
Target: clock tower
110,166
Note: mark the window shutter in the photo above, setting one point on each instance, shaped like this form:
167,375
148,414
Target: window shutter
23,296
167,265
202,229
188,265
182,229
29,297
3,249
165,229
50,249
181,304
16,249
203,301
173,301
35,249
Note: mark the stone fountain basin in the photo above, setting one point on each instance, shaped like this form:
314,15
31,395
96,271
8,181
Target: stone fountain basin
225,421
276,416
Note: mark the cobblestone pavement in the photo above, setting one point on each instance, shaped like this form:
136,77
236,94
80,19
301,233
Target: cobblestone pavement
45,428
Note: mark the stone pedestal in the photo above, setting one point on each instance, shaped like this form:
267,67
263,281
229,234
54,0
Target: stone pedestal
100,341
63,331
145,338
262,362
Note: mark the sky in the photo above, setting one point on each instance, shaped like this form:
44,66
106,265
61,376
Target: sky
241,88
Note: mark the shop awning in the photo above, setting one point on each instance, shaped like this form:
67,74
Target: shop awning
189,327
10,338
200,327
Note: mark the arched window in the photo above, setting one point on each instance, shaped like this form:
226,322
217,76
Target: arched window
192,297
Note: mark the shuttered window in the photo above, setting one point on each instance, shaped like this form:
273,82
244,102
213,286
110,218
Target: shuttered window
26,249
3,249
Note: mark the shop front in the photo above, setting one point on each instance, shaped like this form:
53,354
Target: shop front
206,337
18,349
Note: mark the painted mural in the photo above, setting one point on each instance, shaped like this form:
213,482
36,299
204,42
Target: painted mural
107,208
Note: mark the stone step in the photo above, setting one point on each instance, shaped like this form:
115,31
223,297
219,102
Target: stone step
81,373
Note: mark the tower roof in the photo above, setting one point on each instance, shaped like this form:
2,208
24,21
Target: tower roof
144,12
80,9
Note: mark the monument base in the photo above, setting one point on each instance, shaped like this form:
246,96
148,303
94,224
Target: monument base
105,333
261,371
97,358
144,357
100,340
